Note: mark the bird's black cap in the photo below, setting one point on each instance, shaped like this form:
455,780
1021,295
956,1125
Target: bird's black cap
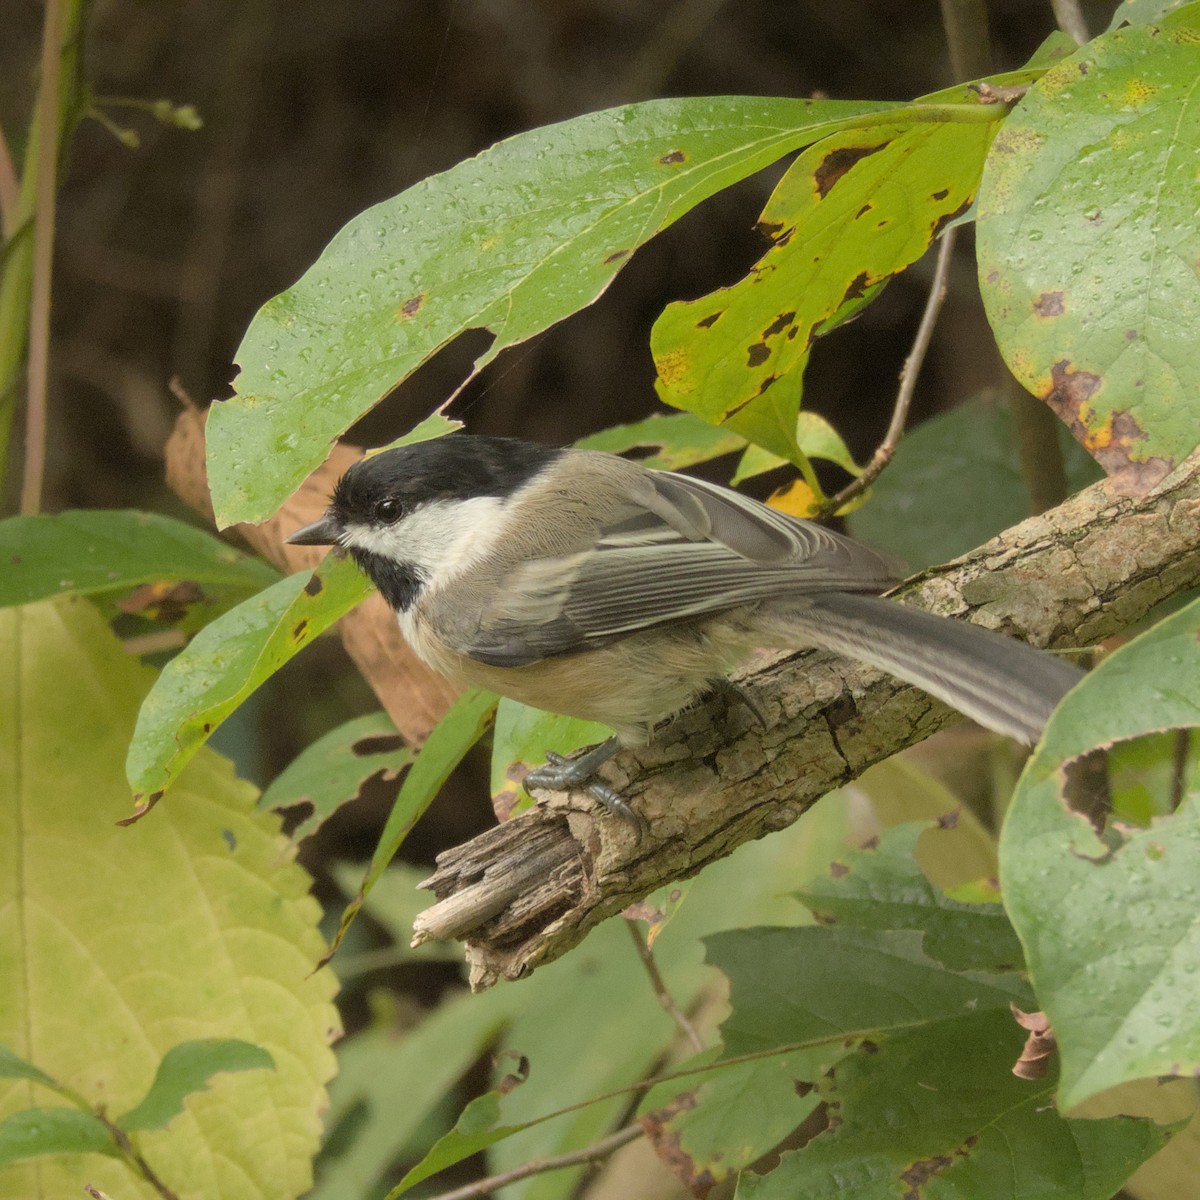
455,467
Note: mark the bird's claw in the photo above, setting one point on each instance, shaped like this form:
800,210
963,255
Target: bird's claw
563,774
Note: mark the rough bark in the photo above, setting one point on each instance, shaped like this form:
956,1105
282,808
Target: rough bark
526,891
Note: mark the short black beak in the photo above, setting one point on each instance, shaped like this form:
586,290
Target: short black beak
320,533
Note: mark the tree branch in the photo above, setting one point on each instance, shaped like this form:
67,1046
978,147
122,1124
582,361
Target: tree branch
525,892
539,1166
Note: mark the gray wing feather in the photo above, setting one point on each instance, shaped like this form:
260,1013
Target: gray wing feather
689,549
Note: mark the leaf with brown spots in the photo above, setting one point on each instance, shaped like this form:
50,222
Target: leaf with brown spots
937,1112
511,241
1109,915
365,754
850,213
1088,247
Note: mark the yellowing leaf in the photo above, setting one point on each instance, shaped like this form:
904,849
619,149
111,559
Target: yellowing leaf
796,498
852,211
118,944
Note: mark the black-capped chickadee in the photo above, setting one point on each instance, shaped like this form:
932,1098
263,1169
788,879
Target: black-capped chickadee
585,584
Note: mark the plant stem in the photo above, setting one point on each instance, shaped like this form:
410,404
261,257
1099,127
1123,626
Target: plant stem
538,1166
665,999
908,378
60,106
965,23
1070,20
45,197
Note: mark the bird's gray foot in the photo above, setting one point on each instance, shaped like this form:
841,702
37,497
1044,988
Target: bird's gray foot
562,774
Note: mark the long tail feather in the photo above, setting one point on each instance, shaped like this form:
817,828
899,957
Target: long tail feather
1004,684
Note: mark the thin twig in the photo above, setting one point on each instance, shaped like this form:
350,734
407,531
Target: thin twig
660,986
131,1154
908,377
1070,20
966,27
43,259
10,189
539,1166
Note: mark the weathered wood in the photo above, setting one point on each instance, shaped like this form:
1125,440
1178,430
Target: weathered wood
527,891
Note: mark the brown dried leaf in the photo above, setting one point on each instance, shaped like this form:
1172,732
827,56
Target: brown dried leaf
1039,1045
413,695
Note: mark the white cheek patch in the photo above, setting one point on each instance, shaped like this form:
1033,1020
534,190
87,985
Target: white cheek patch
443,538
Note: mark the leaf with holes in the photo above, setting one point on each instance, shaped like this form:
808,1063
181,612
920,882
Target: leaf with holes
1111,920
336,768
851,212
512,240
937,1111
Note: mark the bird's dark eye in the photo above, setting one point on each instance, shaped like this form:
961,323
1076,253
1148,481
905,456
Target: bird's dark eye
389,511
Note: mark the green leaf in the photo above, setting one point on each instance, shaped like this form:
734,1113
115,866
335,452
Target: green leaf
824,984
476,1129
1091,284
187,1068
226,662
810,994
82,553
36,1131
118,943
1144,12
729,1117
452,737
956,481
512,240
400,1077
911,1117
678,440
881,887
850,212
816,439
12,1066
522,737
1111,921
336,768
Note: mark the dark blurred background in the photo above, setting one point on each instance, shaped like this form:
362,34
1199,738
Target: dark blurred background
314,110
